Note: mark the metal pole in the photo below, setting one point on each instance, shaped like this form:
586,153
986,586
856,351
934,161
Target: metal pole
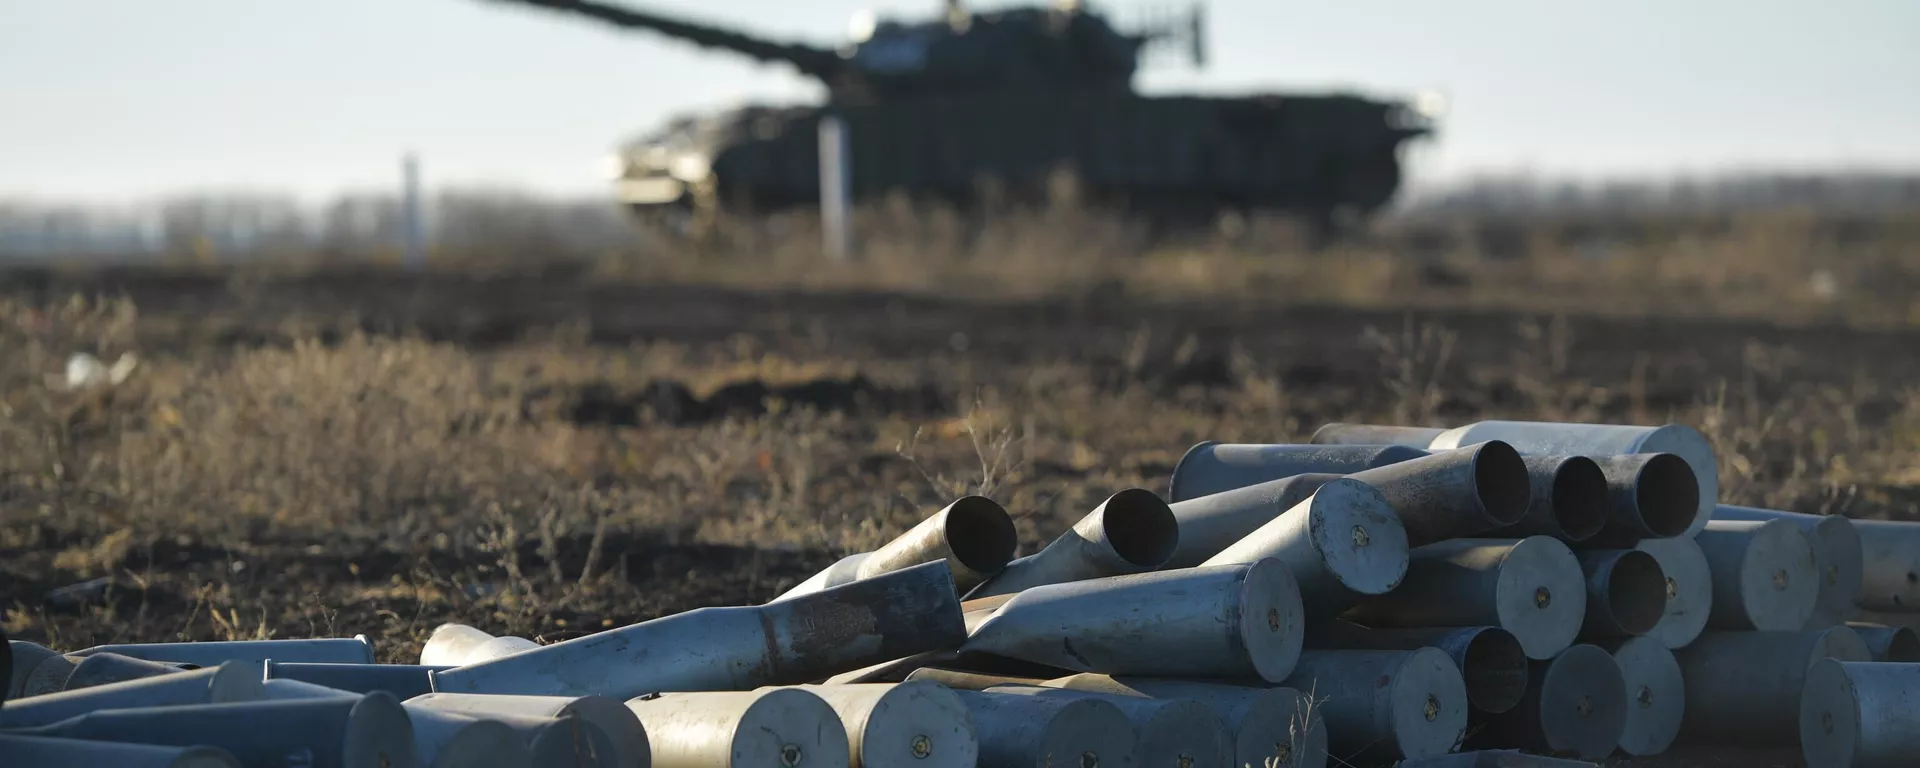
414,254
835,187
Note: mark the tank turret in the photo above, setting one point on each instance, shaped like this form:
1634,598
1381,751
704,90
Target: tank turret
1063,47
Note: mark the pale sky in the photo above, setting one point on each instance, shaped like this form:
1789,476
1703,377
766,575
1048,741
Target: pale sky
126,99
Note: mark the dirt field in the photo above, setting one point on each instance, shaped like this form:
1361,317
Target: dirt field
355,451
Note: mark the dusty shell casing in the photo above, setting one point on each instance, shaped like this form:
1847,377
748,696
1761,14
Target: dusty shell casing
611,715
915,724
1133,531
1344,541
974,535
331,650
230,682
1689,590
1763,574
1210,468
1744,687
1170,731
793,641
1533,588
1626,593
1383,705
1035,732
1212,523
1491,661
1465,491
1837,555
1576,702
1890,565
1569,500
1269,726
1656,694
1860,715
1220,621
447,740
351,732
787,727
48,752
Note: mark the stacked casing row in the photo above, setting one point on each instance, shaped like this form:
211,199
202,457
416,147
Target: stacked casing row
1380,594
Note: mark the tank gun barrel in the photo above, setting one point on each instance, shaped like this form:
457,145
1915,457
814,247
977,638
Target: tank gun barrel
820,63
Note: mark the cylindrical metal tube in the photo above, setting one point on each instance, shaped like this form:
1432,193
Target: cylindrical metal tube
1656,694
567,742
1216,521
1533,588
104,668
1342,542
1569,500
1217,621
1491,661
1744,687
610,715
1133,531
968,681
1837,555
1626,593
793,641
22,657
1649,496
48,752
842,571
914,724
786,727
49,676
1598,440
449,645
344,732
1384,705
1890,565
498,648
1576,702
284,689
1172,732
404,681
973,534
229,682
1034,732
447,740
1275,727
1375,434
323,650
1493,758
1893,645
1763,574
1689,590
1210,468
1455,493
1855,715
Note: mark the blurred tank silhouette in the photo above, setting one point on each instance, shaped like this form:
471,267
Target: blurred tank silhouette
1022,104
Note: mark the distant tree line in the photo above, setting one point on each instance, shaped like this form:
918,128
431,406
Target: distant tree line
254,225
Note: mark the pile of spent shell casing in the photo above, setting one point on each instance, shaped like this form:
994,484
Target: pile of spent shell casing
1542,593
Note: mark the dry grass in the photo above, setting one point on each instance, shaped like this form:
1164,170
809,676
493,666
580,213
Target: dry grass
1784,264
330,481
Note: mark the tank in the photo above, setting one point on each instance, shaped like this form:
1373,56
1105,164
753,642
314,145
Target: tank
1017,104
